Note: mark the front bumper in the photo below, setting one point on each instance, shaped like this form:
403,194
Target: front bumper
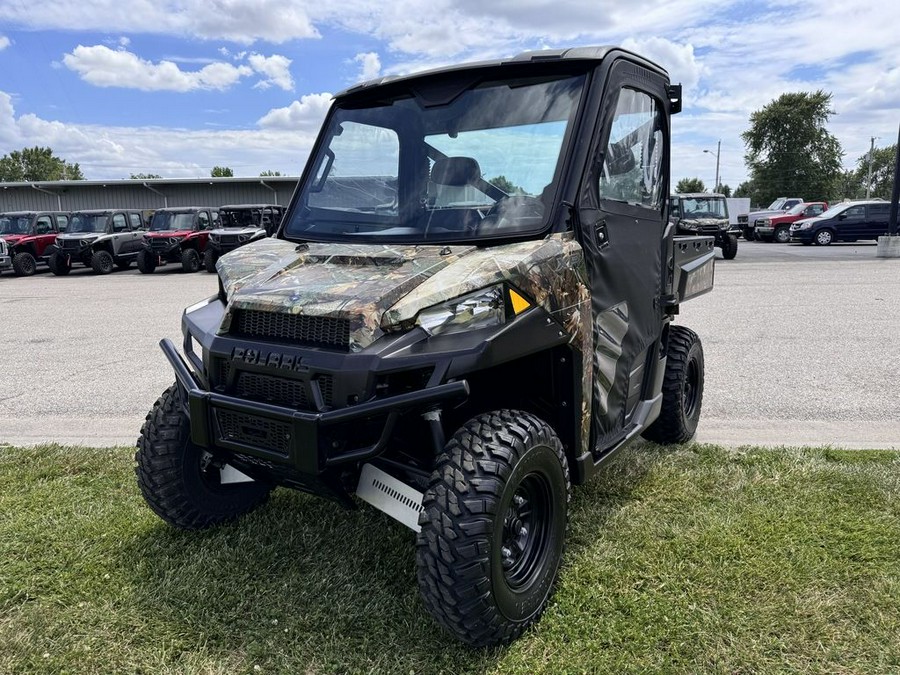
163,255
295,440
766,231
5,262
802,235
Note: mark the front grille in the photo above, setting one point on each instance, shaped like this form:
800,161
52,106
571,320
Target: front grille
317,331
742,219
257,432
276,390
158,244
228,239
69,245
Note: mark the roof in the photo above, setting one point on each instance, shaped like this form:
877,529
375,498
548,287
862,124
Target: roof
542,56
51,184
28,213
250,206
697,195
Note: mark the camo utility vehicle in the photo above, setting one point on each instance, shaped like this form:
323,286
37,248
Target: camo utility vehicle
29,237
456,354
177,235
100,239
240,224
704,213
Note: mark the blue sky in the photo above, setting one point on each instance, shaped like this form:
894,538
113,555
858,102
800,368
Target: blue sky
177,87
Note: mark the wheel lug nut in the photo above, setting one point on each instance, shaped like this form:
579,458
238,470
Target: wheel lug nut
519,500
505,552
523,531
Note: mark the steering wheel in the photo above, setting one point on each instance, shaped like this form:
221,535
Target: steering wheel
509,209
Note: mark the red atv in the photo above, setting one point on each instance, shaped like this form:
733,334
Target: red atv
31,237
177,235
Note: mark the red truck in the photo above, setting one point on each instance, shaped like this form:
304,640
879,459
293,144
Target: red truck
30,238
778,227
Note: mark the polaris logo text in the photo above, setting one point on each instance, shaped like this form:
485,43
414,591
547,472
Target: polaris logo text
278,360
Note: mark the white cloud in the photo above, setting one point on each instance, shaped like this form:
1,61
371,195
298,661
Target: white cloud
4,42
107,152
369,65
276,69
305,114
105,67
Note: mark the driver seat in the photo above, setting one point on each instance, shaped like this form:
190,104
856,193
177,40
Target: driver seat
449,179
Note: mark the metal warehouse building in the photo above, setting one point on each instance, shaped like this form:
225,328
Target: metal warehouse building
75,195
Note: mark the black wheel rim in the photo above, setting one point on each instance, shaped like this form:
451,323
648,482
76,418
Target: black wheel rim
691,390
28,265
526,529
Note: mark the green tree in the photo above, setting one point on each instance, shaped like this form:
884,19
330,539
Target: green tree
790,152
269,172
690,185
221,172
724,190
506,185
882,172
144,176
37,164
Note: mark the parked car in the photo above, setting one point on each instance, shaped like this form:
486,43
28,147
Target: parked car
704,213
100,239
778,228
849,221
30,238
177,235
781,205
241,224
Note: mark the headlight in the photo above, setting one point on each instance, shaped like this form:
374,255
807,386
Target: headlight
85,242
764,222
214,237
480,309
723,225
804,226
174,240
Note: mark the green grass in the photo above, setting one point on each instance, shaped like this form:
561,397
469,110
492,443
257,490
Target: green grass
690,560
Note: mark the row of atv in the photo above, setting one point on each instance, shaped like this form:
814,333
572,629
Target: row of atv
106,239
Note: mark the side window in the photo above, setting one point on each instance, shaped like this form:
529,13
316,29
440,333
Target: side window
62,222
855,212
814,210
216,220
119,222
879,212
632,163
135,219
203,220
44,225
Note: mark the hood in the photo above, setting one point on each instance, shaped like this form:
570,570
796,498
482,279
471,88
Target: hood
168,233
764,214
251,230
700,222
13,239
378,287
80,235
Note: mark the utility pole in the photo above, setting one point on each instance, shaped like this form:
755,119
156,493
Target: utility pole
869,179
718,152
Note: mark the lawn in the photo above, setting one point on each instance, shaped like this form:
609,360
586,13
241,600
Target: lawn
684,560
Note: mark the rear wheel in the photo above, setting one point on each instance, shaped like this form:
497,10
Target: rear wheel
749,234
24,264
146,262
209,260
682,389
493,527
59,264
190,260
782,235
824,237
102,262
178,479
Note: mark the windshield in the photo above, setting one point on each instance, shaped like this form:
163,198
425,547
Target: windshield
795,210
703,207
483,165
170,220
776,205
84,222
15,224
240,218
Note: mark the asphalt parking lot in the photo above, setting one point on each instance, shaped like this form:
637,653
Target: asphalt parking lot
801,349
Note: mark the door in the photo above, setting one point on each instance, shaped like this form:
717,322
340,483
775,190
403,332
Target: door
851,223
877,220
132,242
622,208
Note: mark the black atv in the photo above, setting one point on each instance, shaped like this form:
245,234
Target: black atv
467,309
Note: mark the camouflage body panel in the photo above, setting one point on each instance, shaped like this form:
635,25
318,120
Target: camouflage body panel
550,271
382,288
357,282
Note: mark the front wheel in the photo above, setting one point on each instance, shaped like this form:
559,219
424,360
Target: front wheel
782,235
59,265
179,480
729,247
209,260
824,237
749,235
493,527
102,262
146,262
682,389
24,264
190,260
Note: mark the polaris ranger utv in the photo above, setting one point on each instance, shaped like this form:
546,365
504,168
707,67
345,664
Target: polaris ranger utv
454,354
100,239
704,213
240,225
